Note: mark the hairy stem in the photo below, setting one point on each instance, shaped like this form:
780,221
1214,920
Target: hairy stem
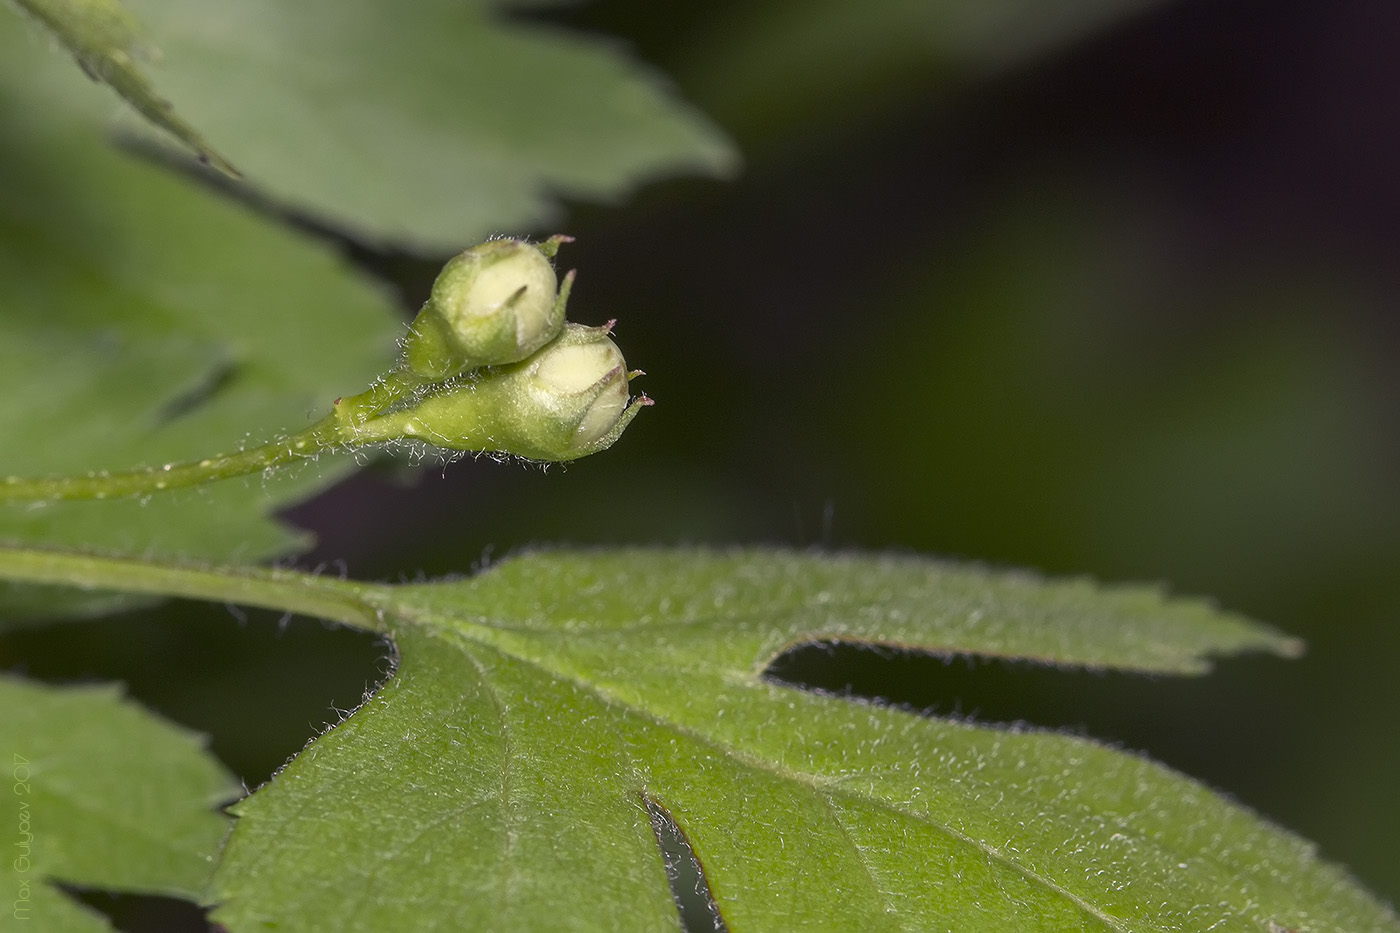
339,429
324,435
282,590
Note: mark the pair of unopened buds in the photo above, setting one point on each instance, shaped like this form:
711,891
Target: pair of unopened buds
488,365
491,364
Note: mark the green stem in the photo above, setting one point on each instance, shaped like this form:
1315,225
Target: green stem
325,434
282,590
391,389
339,429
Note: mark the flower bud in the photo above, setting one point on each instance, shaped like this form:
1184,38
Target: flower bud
495,303
567,401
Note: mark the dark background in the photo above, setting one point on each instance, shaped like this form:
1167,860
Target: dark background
1125,307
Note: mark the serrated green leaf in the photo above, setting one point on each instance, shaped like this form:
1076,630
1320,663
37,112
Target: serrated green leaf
100,793
499,780
431,124
106,41
143,321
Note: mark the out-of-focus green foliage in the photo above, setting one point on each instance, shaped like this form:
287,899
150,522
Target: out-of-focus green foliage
778,70
431,124
99,793
106,41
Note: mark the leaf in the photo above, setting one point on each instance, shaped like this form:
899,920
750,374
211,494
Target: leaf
106,41
505,775
102,794
430,124
889,51
144,321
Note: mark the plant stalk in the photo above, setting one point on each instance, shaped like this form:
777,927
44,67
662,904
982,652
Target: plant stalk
337,430
282,590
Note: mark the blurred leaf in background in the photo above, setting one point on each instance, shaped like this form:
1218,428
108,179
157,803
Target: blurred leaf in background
102,794
429,124
107,43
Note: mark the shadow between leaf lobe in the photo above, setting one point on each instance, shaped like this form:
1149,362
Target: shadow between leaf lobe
690,889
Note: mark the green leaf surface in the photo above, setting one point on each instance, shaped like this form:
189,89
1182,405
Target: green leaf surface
106,41
501,778
144,321
100,793
432,123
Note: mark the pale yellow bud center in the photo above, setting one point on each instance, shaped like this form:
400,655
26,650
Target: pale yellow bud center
570,370
573,370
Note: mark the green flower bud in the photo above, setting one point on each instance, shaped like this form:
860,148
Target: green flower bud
495,303
567,401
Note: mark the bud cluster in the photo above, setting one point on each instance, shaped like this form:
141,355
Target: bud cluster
491,364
